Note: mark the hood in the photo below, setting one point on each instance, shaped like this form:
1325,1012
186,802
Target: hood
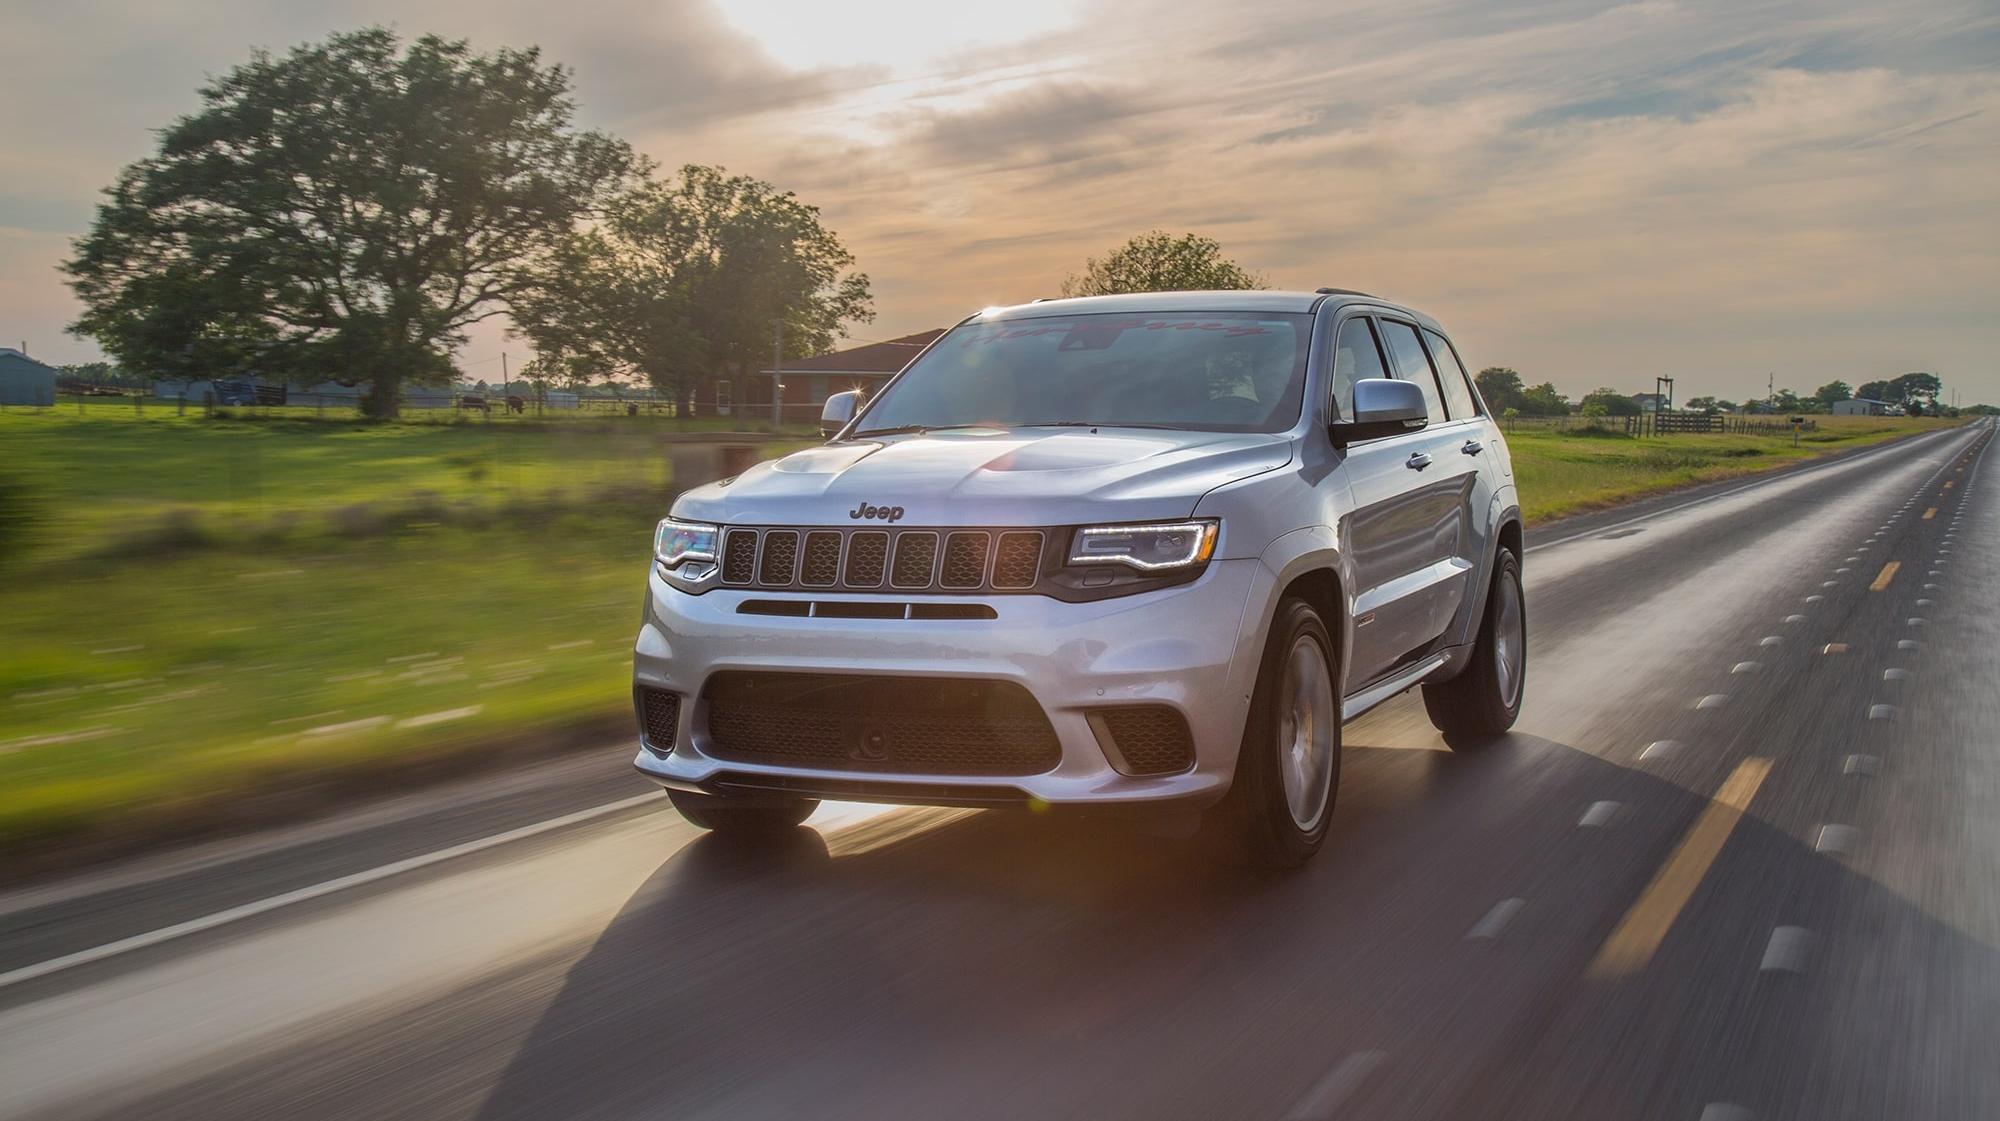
990,477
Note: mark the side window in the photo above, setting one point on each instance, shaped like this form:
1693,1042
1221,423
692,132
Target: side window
1407,352
1355,356
1457,387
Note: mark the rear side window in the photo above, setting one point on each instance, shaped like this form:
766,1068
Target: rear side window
1355,356
1457,387
1407,352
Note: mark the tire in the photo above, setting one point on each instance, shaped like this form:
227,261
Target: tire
1288,770
1484,700
742,816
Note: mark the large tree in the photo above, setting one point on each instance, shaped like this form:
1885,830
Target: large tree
1832,393
345,210
695,275
1160,262
1502,388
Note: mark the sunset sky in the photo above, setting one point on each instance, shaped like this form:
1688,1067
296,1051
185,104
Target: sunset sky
1592,195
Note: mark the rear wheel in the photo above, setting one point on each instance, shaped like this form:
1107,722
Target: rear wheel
742,816
1484,700
1288,770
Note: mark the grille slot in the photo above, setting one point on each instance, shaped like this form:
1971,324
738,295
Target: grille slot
822,563
660,717
916,555
1152,739
867,558
781,557
964,560
1017,559
739,556
851,722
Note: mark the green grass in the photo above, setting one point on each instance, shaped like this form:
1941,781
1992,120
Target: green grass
1562,473
206,608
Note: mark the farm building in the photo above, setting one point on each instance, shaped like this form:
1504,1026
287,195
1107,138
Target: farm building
807,382
1860,406
24,381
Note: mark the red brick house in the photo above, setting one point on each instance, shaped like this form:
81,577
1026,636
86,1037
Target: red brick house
808,381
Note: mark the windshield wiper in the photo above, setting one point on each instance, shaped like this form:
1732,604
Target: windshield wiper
1096,424
903,429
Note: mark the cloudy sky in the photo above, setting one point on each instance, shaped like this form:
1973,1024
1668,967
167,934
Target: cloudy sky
1591,194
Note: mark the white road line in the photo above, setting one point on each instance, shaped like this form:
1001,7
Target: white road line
315,891
1598,815
1867,766
1661,749
1489,927
1786,951
1337,1086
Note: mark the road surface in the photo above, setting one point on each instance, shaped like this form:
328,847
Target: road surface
1741,858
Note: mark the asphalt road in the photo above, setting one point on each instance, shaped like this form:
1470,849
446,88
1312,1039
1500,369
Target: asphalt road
1740,859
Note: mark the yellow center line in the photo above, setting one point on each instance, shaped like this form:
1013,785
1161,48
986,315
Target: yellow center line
1948,482
1640,932
1887,574
1930,513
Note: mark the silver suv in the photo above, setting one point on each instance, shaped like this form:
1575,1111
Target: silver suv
1147,550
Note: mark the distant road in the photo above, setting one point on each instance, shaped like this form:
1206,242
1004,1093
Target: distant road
1741,858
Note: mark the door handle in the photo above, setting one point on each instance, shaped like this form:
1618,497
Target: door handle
1473,447
1418,461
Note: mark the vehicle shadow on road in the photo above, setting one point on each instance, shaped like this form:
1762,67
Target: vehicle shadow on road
1005,965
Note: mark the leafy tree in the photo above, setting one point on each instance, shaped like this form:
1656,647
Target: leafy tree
1874,391
1500,386
1614,402
1595,408
1787,401
1159,262
1832,393
349,208
1916,387
1706,404
1543,400
690,275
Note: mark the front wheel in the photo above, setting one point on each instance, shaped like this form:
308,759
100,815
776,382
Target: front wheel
1484,700
742,816
1288,770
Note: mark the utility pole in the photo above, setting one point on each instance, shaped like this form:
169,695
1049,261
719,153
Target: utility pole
503,373
1771,391
777,363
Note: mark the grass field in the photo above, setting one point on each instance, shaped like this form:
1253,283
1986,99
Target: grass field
205,608
1562,473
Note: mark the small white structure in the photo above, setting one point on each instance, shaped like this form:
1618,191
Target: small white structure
1861,406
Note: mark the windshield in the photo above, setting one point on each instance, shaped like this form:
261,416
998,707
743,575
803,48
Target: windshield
1208,372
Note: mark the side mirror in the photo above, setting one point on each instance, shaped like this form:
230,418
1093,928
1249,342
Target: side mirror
1382,407
838,410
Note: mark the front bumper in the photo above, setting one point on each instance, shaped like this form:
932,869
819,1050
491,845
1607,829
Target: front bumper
1193,647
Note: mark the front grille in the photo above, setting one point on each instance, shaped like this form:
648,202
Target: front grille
916,555
1017,560
848,722
867,560
964,561
739,556
659,717
822,566
1153,739
780,559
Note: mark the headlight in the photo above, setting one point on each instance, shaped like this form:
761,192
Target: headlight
1148,548
677,541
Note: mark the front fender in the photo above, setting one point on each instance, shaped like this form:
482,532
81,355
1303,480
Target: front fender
1290,556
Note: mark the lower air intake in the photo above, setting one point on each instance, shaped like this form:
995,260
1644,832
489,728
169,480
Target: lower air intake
659,717
1152,739
851,722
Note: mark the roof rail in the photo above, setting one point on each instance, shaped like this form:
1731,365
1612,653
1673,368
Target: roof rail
1344,292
